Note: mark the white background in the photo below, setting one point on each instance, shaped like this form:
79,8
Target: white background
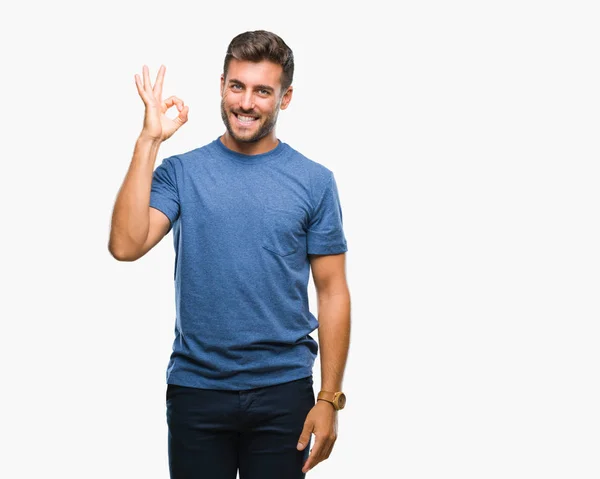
464,140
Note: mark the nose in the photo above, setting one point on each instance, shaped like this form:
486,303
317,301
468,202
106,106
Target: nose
247,100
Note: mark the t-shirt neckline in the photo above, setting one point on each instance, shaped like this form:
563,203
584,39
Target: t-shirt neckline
249,159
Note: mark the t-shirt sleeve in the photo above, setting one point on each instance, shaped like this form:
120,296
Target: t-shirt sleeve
325,233
164,195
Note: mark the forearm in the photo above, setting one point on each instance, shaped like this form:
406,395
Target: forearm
334,338
130,219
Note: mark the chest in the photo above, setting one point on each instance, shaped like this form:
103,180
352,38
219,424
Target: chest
243,205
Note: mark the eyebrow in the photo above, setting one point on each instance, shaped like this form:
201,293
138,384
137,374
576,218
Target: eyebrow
257,87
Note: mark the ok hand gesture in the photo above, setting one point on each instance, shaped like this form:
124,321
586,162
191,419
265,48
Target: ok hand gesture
157,126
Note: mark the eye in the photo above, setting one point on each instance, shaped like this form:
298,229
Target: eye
235,86
264,92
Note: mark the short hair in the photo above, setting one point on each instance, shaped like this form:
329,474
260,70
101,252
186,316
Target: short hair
259,45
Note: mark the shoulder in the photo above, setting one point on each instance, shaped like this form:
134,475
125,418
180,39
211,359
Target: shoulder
317,175
310,165
200,153
180,161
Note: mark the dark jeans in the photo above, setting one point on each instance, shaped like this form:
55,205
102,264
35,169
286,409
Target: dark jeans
213,433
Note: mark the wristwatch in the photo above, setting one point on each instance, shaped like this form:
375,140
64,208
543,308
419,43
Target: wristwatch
338,399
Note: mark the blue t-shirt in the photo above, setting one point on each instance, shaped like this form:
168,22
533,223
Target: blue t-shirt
242,228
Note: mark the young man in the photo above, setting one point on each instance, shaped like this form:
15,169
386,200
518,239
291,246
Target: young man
250,217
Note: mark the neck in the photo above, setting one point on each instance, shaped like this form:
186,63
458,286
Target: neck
263,145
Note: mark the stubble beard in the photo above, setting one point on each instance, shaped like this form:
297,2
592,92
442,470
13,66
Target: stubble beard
264,130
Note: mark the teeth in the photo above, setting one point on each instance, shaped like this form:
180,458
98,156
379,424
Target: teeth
246,118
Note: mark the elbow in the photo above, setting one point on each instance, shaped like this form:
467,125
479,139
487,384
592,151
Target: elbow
122,257
122,254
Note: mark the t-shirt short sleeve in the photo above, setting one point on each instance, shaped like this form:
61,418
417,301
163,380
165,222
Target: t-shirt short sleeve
325,233
164,195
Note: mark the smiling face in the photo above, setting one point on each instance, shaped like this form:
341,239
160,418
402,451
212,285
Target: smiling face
251,98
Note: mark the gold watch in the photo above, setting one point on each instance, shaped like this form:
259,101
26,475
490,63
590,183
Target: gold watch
338,399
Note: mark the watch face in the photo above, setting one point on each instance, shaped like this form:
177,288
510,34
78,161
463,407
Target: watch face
342,401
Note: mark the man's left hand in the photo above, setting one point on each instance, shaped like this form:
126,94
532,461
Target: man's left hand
322,422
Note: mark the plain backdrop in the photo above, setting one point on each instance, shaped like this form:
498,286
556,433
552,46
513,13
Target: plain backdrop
464,140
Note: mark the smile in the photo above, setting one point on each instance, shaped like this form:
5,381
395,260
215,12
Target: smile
245,120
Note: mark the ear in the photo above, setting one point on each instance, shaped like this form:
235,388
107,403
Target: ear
287,98
222,83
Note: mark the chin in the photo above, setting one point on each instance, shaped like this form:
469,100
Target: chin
247,136
243,137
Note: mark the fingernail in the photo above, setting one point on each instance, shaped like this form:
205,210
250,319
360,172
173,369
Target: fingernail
299,446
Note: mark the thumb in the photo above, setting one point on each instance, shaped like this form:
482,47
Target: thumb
305,436
183,115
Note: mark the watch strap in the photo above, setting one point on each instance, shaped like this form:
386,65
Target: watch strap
336,399
326,395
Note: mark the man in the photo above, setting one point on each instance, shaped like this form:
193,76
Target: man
251,217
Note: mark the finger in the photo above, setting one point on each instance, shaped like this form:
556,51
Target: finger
158,86
173,100
147,84
327,453
315,455
183,115
304,436
140,87
143,93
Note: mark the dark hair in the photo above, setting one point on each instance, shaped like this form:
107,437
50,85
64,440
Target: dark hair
261,45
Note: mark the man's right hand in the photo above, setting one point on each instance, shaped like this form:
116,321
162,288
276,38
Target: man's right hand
157,126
